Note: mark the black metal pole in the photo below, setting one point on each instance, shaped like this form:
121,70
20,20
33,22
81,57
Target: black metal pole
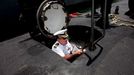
92,25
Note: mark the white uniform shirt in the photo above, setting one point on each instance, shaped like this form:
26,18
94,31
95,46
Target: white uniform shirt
63,50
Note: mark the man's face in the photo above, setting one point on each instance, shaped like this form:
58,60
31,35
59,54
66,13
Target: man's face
63,41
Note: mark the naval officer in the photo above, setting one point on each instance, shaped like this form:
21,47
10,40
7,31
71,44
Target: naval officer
63,47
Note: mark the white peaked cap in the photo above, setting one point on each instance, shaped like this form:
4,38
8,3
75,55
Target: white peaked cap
60,32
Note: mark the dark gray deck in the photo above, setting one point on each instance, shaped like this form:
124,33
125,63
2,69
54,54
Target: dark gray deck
21,56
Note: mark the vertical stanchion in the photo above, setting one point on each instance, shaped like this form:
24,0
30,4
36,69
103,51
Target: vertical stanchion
92,25
104,16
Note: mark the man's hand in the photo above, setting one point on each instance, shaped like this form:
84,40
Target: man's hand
77,52
69,56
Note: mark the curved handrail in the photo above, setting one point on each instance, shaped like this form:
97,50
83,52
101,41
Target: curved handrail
92,24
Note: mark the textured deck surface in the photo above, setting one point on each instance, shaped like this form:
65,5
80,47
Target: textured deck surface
20,56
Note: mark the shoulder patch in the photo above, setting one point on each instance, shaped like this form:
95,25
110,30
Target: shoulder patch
56,45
